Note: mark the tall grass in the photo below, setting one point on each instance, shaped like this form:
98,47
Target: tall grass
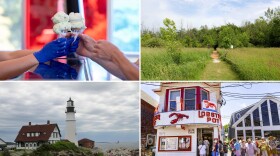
254,63
156,64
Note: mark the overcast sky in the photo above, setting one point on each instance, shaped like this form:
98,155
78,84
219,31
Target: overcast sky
232,104
195,13
105,111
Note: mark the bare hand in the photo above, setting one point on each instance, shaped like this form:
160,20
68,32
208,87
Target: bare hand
86,46
105,50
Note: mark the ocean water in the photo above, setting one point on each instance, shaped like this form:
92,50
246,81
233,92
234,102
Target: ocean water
114,145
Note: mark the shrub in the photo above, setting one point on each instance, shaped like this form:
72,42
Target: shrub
153,42
174,50
6,152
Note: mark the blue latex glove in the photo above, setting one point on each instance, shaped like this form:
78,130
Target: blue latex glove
56,70
53,49
73,45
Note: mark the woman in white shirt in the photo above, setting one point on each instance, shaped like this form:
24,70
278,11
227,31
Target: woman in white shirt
202,149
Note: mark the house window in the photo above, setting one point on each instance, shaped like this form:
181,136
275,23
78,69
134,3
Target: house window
248,121
240,135
240,124
172,99
204,95
248,134
265,116
258,134
274,113
28,134
256,117
175,143
189,99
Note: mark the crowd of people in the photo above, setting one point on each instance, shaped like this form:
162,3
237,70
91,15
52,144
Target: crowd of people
258,147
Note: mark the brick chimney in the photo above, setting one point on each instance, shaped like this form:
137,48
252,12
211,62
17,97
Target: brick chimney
48,122
29,124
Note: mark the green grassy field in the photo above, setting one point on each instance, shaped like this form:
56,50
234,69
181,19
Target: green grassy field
254,63
218,71
239,64
156,64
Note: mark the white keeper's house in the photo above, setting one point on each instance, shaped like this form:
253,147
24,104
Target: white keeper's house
261,119
32,136
186,114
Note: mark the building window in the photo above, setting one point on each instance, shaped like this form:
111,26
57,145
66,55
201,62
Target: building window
258,134
240,124
240,134
204,95
248,134
274,113
256,117
248,121
175,143
265,117
172,99
189,99
28,134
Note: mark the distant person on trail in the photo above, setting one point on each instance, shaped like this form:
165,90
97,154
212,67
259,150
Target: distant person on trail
215,47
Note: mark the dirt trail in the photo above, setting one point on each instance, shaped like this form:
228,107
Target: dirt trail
218,70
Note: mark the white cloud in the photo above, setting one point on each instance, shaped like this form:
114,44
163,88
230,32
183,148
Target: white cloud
102,108
197,13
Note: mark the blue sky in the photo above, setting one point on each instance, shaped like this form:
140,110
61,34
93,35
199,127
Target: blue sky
105,111
195,13
232,104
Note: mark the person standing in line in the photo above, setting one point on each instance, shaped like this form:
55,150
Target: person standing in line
215,149
231,147
202,149
243,148
272,145
206,143
237,148
256,142
263,146
251,148
221,148
225,148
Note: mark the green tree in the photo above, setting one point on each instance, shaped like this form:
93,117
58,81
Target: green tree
226,128
169,35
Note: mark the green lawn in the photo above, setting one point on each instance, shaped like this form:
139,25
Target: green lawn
254,63
239,64
156,64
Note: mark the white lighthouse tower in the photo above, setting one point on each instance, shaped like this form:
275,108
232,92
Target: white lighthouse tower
71,134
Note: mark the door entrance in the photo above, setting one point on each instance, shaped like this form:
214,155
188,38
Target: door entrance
205,135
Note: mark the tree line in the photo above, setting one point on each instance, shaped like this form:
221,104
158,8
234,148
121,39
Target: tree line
263,32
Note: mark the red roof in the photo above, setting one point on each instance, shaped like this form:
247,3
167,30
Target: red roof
84,140
44,130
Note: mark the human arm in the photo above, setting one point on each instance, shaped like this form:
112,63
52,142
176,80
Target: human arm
17,63
5,55
15,67
109,57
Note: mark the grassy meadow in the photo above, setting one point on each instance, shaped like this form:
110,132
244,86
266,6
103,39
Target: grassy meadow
236,64
254,63
156,64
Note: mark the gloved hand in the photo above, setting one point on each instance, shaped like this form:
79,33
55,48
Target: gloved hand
53,49
73,45
56,70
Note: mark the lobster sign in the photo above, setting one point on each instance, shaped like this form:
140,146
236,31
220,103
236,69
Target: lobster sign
179,116
208,105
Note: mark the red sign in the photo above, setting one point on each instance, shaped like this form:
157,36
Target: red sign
210,116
